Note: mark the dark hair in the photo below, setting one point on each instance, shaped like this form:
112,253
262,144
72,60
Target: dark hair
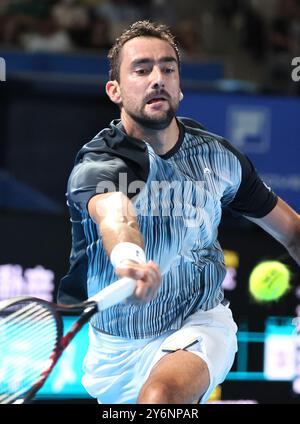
138,29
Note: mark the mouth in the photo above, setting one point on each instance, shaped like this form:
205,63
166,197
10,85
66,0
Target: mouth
156,99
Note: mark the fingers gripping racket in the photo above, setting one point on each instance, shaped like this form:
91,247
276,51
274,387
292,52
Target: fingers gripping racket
32,340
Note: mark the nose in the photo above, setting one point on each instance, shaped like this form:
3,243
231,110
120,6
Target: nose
157,78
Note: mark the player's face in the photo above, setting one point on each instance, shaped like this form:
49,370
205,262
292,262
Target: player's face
149,82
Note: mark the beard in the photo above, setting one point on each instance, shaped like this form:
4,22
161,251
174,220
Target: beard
154,123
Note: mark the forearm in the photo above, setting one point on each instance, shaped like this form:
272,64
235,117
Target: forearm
123,242
113,232
294,248
283,223
116,219
292,240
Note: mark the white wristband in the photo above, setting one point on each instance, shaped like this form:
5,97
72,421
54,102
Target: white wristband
127,251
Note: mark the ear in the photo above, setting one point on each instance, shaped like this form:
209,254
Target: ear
180,96
113,91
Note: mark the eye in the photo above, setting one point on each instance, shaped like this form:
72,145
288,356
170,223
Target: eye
169,70
140,71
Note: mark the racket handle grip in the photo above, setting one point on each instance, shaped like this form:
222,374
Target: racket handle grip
114,293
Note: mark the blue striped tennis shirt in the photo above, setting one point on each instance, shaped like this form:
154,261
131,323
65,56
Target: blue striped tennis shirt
178,198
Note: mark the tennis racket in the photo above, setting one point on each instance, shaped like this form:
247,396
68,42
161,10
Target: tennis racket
32,340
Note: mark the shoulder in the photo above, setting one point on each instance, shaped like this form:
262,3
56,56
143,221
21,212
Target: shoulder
214,142
111,140
113,146
111,161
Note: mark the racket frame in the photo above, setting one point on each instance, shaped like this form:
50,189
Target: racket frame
87,310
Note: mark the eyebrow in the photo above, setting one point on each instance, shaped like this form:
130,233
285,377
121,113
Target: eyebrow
145,60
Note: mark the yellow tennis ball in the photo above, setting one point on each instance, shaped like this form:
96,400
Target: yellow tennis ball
269,280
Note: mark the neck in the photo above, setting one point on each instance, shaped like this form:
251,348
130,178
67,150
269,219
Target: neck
161,141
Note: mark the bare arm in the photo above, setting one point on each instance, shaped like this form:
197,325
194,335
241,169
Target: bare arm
116,219
283,223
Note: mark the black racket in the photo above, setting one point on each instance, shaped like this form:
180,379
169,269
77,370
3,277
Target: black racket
32,340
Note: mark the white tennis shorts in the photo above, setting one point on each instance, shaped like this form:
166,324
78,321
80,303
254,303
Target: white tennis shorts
116,368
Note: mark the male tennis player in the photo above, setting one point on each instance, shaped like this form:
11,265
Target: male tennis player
146,196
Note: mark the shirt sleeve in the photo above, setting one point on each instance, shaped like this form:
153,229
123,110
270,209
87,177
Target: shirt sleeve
99,173
253,197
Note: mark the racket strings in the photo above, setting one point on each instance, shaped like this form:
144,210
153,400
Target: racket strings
19,313
28,333
22,318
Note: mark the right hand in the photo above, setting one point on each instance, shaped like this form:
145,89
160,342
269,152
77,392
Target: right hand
147,276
